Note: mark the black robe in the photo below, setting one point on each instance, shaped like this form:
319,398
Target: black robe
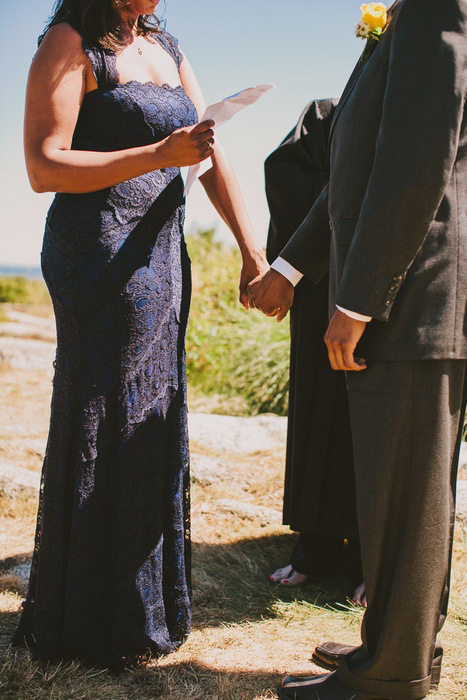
319,494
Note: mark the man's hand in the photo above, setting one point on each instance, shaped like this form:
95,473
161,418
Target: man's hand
271,293
341,340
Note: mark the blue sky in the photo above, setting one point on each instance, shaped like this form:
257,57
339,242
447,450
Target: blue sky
307,48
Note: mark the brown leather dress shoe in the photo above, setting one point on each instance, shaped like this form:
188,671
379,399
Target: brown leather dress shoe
327,687
330,654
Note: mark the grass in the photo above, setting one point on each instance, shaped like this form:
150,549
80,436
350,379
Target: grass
22,290
246,632
237,355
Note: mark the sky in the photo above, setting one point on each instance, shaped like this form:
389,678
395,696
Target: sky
306,48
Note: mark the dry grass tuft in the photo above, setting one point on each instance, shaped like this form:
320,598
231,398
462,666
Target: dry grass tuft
9,583
20,509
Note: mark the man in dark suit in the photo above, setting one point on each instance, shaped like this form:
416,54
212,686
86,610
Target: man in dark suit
391,228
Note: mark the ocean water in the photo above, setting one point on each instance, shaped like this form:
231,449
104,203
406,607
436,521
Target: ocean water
31,272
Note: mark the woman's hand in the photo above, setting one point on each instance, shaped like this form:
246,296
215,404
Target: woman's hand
188,146
253,265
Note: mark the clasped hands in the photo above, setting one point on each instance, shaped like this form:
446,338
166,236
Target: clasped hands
273,294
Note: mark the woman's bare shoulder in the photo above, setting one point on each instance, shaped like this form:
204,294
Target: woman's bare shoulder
62,40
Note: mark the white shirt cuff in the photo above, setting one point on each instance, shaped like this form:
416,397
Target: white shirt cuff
287,270
294,276
354,315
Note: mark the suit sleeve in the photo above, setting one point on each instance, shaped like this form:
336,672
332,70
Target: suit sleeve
308,249
415,154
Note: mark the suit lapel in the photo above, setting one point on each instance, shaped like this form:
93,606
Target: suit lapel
346,94
349,88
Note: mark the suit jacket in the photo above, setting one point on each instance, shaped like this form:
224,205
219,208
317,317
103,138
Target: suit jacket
395,210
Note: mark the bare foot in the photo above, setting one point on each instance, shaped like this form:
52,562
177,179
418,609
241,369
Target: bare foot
294,579
288,577
359,597
278,575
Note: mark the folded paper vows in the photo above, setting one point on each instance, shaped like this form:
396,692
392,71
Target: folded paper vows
221,112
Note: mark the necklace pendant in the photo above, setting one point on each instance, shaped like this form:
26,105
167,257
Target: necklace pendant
140,52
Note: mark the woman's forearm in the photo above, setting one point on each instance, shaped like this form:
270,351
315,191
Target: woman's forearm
52,168
224,192
76,172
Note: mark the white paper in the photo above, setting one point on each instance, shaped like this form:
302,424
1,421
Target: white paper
221,112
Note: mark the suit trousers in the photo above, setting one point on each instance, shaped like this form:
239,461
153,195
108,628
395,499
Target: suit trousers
406,420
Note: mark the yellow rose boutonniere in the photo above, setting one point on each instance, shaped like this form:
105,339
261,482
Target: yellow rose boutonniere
374,21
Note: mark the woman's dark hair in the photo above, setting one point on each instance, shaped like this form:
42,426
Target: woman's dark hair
98,21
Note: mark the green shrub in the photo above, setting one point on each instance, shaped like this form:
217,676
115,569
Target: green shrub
13,289
230,351
22,290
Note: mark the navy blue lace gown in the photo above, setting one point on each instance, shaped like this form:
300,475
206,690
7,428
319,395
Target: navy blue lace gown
111,564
